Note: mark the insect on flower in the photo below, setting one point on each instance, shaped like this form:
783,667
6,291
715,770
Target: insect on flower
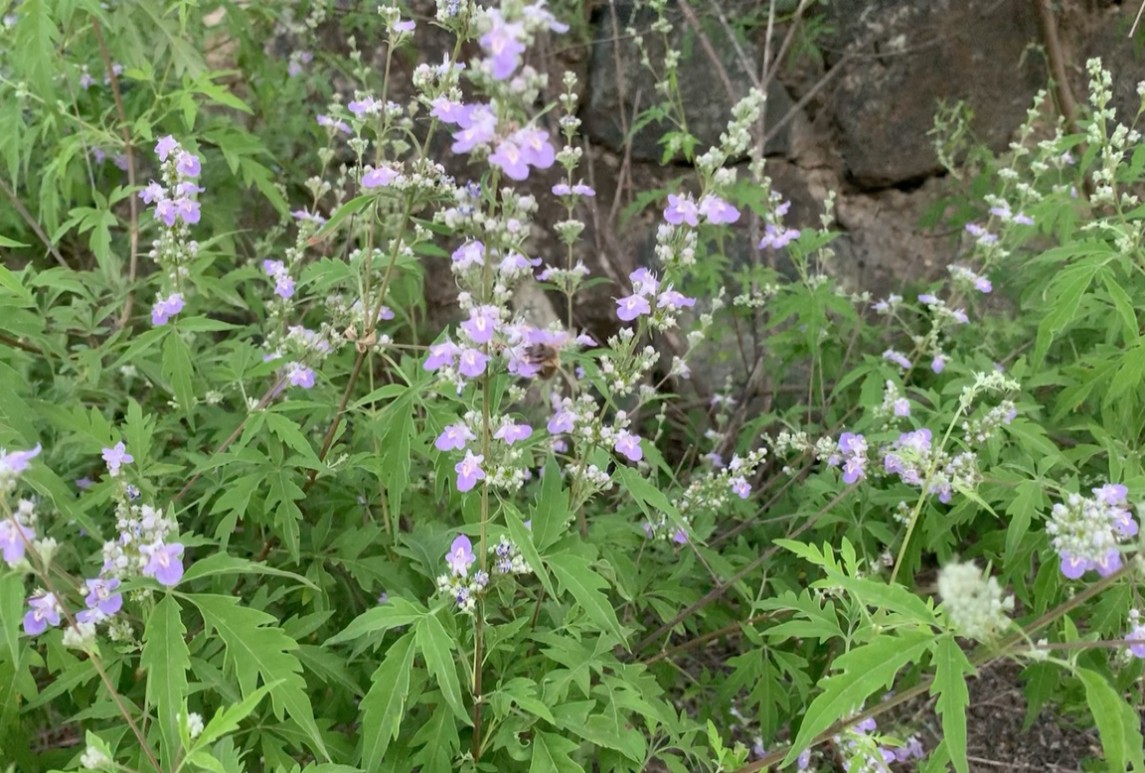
545,357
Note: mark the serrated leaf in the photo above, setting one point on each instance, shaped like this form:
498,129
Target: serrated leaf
576,576
396,612
857,675
551,755
951,669
257,648
1118,725
523,539
166,659
177,369
551,515
436,647
227,718
384,704
222,564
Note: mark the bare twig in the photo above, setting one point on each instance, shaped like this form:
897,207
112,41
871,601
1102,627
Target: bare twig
129,151
32,223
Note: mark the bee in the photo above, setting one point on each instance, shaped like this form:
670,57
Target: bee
546,358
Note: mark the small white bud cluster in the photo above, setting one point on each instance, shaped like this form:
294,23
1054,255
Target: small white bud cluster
974,603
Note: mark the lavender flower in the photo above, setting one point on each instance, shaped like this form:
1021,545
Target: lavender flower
1086,531
454,437
14,537
469,471
299,375
102,596
898,358
717,211
502,44
512,433
442,355
460,556
165,308
628,445
164,563
43,611
115,457
631,307
12,463
681,209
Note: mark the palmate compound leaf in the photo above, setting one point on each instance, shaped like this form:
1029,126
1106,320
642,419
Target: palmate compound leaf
576,576
1117,723
385,702
857,675
951,667
257,649
166,659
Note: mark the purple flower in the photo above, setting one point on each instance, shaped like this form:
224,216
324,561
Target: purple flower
631,307
982,284
644,282
152,193
164,562
897,358
116,456
503,45
1023,219
717,211
580,189
535,147
512,433
381,177
681,209
334,123
628,445
302,214
12,463
187,164
509,158
672,299
460,556
165,308
447,111
777,237
478,127
562,421
960,316
938,364
469,254
43,610
299,375
471,363
902,407
102,596
469,471
680,537
13,540
1137,635
186,210
442,355
365,106
1073,567
482,323
454,437
928,298
405,25
283,283
983,236
165,146
740,487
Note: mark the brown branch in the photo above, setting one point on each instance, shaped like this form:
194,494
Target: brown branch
1056,58
17,344
33,224
706,44
128,149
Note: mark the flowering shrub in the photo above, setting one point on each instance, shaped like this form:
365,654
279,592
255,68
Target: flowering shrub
276,520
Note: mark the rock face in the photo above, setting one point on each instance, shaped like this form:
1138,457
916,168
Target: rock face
899,60
717,69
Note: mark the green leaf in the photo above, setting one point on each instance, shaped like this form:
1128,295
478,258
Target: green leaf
222,564
576,576
384,704
177,369
11,612
1063,297
436,647
256,648
523,539
858,674
551,516
396,612
1117,723
951,669
227,718
166,659
551,755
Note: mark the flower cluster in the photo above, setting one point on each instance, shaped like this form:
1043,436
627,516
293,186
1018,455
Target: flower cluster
974,603
914,461
851,454
176,204
465,588
646,291
1086,531
713,491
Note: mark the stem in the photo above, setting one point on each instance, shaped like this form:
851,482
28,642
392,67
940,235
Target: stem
40,567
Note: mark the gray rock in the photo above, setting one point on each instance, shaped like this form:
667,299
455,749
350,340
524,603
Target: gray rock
903,58
703,93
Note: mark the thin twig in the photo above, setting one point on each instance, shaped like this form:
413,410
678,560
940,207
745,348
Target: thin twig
33,224
129,151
